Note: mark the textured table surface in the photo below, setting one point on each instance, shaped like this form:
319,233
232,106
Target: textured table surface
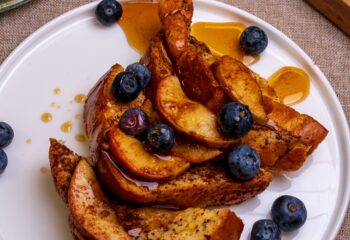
321,40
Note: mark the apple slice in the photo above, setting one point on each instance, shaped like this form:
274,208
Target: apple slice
89,207
189,117
240,85
131,154
183,148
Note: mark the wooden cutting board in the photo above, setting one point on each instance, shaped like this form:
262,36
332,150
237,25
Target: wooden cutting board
338,11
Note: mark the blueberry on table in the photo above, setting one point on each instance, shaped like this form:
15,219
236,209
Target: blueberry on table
108,12
142,73
253,40
161,138
243,162
6,134
235,119
289,213
125,87
265,229
134,122
3,161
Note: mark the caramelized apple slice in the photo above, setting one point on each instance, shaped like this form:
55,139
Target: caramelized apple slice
183,148
240,85
131,154
188,117
89,207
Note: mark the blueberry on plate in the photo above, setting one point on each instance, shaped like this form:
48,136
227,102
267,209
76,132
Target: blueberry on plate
125,87
243,162
108,12
265,229
235,119
289,213
134,122
6,134
161,138
142,73
3,161
253,40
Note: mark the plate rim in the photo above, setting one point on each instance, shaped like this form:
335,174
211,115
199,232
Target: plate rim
21,51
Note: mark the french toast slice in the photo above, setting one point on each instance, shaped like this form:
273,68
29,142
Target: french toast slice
138,222
91,212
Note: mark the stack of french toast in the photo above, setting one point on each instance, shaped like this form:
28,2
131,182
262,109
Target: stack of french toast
148,196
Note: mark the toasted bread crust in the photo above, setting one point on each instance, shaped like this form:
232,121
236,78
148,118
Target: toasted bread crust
200,186
62,162
284,118
141,223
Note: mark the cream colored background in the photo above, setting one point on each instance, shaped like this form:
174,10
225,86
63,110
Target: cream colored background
321,40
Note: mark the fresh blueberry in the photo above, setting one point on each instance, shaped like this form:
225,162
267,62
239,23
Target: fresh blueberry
161,138
253,40
3,161
265,229
142,73
125,87
235,119
108,12
134,122
289,213
243,162
6,134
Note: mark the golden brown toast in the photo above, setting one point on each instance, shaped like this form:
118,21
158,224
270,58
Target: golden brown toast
200,186
113,220
285,118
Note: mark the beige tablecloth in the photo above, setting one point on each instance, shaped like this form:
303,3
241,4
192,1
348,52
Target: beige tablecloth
325,43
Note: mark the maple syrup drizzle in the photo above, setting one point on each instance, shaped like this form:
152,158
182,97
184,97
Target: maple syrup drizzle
140,22
66,126
44,170
57,91
80,138
46,117
223,39
291,84
80,98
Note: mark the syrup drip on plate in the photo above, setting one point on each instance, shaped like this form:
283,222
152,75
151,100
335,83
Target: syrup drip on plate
223,39
291,84
140,22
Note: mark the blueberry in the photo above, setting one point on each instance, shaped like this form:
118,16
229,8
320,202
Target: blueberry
289,213
235,119
3,161
6,134
265,229
125,87
108,12
161,138
134,122
142,73
253,40
243,162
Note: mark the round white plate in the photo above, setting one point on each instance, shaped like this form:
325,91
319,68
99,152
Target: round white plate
73,51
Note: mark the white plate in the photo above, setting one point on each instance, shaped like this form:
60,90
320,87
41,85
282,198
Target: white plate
73,51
